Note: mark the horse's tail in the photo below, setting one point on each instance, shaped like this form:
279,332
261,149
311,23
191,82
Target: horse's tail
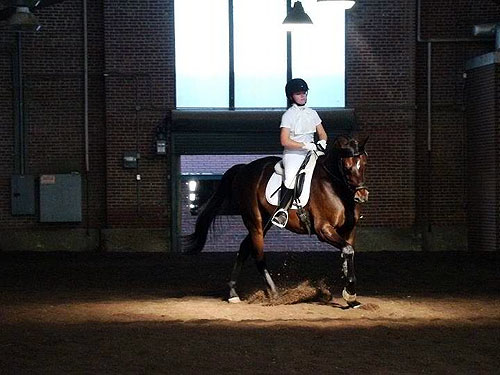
195,242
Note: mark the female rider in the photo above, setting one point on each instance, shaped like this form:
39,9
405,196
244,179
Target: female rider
298,125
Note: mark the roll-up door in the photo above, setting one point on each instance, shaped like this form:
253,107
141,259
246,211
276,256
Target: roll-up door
209,132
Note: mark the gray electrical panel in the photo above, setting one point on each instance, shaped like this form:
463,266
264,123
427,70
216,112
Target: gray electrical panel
61,198
22,194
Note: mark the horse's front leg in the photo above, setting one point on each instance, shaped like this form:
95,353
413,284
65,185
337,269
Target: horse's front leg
349,292
329,234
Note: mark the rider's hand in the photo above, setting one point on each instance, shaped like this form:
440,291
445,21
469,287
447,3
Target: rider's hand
321,145
309,147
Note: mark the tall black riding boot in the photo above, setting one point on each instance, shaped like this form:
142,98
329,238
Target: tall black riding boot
280,217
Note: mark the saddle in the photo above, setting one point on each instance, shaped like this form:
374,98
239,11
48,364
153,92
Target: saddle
302,182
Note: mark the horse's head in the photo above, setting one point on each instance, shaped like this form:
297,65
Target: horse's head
346,160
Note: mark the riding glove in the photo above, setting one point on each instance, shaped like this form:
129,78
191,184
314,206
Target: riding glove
309,147
321,145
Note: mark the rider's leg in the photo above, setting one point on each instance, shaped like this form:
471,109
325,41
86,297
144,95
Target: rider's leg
280,218
292,160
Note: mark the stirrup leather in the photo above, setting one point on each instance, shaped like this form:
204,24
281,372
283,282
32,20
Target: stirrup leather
280,218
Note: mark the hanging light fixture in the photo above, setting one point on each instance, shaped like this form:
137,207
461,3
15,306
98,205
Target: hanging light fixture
347,4
297,16
23,20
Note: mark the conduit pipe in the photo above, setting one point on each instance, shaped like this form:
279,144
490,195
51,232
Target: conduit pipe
86,111
20,106
86,87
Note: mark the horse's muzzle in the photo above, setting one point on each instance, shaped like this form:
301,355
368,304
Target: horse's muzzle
361,195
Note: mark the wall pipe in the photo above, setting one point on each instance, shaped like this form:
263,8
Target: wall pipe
20,105
86,86
86,111
289,73
231,55
137,171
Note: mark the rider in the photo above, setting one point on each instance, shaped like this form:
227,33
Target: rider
298,125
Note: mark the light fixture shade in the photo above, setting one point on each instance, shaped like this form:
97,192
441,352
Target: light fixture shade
297,15
347,4
23,20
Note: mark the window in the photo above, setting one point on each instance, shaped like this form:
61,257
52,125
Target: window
254,52
202,53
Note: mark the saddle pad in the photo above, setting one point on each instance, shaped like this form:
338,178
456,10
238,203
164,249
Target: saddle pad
274,184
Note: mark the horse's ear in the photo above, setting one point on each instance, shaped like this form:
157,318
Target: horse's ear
363,143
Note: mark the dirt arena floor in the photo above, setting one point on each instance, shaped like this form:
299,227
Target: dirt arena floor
104,313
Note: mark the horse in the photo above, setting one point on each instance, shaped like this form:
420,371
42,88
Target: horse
337,191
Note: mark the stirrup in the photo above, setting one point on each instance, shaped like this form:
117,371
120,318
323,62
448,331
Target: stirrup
280,218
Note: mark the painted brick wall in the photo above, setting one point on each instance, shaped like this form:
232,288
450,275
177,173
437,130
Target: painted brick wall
227,233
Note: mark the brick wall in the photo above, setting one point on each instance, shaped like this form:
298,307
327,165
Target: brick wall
380,66
482,169
497,136
140,88
132,86
441,172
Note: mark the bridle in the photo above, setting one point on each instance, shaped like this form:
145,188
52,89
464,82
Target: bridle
343,154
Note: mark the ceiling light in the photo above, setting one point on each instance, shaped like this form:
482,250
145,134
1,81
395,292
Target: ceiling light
23,20
297,16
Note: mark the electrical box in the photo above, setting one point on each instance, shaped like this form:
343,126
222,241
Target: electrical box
130,159
22,195
61,198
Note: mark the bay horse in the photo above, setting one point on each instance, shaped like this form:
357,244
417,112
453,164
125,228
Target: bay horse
337,191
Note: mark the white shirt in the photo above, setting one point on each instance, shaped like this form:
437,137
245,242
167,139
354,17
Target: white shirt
302,122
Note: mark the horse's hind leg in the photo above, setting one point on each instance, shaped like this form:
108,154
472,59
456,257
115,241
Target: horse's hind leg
260,261
253,243
262,267
243,254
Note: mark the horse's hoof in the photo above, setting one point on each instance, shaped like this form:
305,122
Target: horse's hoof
349,298
234,300
354,305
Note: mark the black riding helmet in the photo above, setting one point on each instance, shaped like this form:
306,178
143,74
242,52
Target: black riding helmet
295,85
